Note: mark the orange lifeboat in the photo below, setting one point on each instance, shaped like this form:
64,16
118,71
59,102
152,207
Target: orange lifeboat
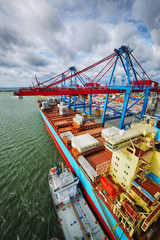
109,188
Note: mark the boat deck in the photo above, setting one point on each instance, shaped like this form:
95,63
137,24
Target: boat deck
78,221
75,217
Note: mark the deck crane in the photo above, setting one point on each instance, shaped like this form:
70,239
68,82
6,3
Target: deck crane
73,82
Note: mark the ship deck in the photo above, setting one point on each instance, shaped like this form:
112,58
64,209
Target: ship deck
78,222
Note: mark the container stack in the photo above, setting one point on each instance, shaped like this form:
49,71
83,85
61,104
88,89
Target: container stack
63,110
67,134
100,162
45,105
78,120
87,167
84,142
51,101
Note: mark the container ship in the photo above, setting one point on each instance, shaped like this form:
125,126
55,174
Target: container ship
75,217
119,170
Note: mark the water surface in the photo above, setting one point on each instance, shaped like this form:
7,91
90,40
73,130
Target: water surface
27,152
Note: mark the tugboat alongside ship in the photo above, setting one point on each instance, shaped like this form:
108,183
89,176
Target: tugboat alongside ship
74,215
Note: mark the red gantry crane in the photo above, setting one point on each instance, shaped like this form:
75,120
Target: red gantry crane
74,82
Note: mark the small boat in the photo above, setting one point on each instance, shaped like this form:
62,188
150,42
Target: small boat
74,215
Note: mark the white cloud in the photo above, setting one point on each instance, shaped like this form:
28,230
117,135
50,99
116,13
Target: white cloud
46,37
148,12
88,36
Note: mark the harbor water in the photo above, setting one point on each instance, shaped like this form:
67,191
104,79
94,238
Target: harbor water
27,152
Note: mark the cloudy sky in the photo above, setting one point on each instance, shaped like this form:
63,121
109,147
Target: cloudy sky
46,37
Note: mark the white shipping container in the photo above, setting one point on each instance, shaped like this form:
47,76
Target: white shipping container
80,117
45,105
109,131
76,144
67,134
77,120
84,142
87,167
63,110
